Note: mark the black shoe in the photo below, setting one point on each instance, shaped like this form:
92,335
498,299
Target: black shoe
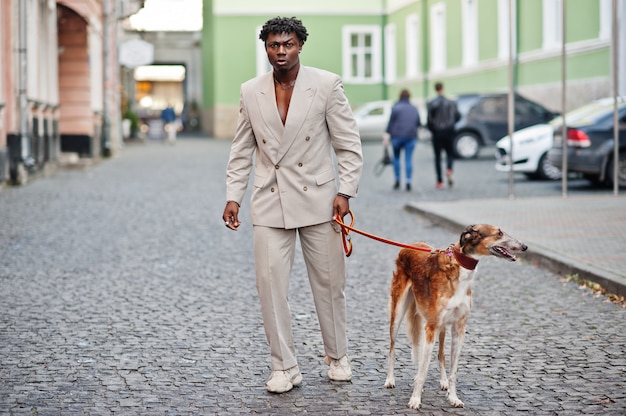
408,187
396,185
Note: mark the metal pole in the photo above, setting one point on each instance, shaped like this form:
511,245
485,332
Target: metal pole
563,101
615,70
384,48
511,103
426,49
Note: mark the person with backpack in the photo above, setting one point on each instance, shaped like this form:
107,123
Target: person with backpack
443,114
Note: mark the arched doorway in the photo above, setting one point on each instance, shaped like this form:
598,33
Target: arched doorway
79,126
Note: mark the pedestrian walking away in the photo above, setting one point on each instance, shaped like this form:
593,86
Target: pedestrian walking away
293,118
402,129
168,115
443,114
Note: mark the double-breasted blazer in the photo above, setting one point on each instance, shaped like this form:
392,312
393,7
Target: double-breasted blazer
299,166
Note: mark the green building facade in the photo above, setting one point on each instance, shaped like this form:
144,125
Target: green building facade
379,47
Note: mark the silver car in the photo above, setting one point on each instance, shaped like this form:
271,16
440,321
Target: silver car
372,119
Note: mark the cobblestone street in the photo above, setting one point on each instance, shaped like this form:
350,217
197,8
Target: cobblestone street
123,293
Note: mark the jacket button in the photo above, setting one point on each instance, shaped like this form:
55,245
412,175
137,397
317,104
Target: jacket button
299,165
272,189
307,138
276,166
305,188
264,141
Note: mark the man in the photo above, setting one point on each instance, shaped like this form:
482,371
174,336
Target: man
293,118
402,128
442,116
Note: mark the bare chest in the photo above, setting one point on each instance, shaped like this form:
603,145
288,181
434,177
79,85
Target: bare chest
283,99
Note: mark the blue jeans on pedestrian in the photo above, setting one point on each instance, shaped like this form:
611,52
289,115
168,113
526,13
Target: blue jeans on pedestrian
408,144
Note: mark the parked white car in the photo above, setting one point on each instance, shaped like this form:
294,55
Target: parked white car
530,152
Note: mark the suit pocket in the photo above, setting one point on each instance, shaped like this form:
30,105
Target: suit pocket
259,181
324,177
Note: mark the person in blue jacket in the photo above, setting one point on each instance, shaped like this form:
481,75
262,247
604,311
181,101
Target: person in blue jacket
168,115
402,129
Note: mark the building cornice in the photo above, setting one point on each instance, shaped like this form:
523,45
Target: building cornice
571,49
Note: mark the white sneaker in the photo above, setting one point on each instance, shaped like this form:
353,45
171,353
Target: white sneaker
282,381
339,369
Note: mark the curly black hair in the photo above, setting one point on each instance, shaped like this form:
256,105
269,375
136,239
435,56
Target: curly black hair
284,25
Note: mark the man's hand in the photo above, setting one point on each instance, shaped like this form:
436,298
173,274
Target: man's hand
231,215
341,206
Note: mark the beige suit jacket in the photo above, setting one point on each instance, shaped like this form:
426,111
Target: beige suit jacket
299,166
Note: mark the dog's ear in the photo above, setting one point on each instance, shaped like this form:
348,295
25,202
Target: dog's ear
469,235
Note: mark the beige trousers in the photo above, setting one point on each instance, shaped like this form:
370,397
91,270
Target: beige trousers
322,250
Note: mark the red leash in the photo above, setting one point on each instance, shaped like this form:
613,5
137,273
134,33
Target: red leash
347,240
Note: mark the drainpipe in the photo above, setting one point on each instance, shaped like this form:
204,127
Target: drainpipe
105,142
24,155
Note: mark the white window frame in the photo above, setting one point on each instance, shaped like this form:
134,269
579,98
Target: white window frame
469,9
262,63
391,53
606,10
438,49
552,24
503,29
360,52
412,45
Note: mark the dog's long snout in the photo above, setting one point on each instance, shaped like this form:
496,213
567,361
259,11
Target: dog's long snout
524,247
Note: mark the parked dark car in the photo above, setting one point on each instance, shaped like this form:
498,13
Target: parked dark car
484,120
590,145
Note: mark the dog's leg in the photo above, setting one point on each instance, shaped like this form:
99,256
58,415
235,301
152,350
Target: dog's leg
424,352
443,378
458,336
414,330
398,307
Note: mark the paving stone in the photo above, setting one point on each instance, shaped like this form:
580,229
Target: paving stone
122,292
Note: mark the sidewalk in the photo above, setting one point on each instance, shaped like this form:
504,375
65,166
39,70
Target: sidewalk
574,235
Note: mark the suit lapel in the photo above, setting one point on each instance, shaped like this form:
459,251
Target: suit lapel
266,100
301,100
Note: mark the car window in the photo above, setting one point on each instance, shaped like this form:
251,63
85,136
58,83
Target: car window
491,107
587,112
602,118
376,111
372,109
464,103
527,109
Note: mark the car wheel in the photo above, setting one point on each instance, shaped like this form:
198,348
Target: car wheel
621,171
466,145
546,170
